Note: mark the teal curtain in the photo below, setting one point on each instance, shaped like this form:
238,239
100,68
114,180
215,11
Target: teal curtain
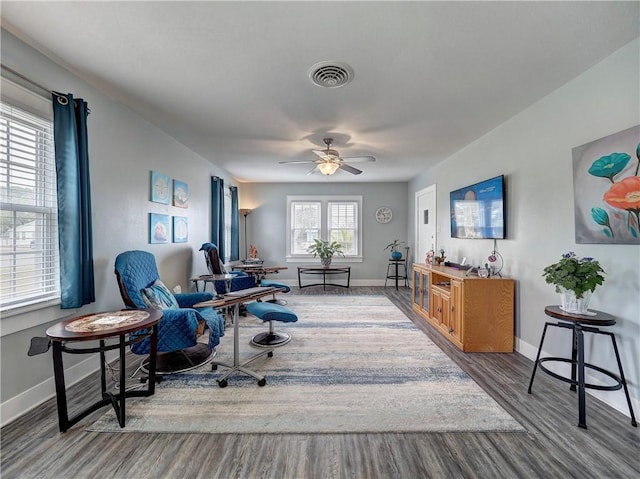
235,225
75,237
217,214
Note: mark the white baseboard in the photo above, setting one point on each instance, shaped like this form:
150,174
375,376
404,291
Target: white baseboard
615,399
33,397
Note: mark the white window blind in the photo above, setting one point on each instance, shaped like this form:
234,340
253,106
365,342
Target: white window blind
29,271
306,222
343,225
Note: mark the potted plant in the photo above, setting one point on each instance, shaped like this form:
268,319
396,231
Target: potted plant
325,250
575,279
393,246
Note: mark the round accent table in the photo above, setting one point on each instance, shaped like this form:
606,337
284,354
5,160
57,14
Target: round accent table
580,324
397,274
102,327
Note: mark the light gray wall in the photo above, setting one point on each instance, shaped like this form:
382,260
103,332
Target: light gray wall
266,225
533,150
123,150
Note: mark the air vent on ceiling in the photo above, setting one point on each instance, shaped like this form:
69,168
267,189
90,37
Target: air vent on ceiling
331,74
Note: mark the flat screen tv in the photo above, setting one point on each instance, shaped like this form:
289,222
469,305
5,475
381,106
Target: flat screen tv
478,211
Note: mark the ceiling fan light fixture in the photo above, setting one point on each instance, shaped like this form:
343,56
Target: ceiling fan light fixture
328,168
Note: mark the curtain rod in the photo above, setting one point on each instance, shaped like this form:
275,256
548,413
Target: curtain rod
22,77
31,82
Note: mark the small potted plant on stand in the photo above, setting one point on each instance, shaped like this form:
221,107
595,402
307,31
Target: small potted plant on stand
575,279
325,250
393,246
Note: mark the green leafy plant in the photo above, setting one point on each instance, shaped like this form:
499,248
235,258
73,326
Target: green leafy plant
325,249
394,245
574,274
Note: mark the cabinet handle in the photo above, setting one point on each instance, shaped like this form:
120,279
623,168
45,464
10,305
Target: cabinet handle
451,331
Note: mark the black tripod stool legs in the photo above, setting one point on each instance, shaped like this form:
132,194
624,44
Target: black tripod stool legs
622,378
535,364
578,367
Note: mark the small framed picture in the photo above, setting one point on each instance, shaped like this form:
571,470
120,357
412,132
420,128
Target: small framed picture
180,194
160,188
158,228
180,229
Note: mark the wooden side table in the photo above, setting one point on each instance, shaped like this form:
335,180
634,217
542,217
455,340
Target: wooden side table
102,327
579,324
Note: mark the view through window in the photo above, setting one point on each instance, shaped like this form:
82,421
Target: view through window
29,271
332,218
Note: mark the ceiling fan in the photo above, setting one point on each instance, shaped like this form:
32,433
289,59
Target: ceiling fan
329,160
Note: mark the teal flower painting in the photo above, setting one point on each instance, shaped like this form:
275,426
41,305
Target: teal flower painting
607,189
610,165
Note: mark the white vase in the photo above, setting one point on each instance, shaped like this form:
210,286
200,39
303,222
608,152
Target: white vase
571,304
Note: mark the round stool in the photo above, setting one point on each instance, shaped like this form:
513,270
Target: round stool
580,324
271,312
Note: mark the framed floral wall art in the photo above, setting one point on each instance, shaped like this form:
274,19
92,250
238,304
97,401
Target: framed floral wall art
606,189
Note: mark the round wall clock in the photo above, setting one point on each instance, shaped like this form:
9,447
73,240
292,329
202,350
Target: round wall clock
383,214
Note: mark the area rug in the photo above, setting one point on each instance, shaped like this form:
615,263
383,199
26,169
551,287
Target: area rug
355,364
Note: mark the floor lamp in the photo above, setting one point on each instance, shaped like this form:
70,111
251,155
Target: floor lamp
245,212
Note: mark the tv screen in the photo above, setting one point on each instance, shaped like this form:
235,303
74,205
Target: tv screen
477,211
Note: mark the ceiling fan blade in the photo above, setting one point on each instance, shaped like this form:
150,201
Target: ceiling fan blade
350,169
313,170
322,154
353,159
300,162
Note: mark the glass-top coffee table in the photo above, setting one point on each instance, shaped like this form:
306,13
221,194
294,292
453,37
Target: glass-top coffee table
325,271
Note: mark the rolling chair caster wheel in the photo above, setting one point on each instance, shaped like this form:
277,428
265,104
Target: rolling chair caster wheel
262,382
270,354
214,367
223,383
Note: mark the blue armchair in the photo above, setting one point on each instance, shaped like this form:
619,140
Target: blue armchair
140,287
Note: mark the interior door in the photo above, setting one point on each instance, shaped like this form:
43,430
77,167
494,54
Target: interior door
425,227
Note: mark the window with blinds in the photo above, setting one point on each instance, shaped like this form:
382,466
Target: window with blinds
305,221
335,218
29,271
343,225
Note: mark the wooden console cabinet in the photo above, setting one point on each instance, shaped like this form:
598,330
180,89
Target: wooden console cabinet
476,314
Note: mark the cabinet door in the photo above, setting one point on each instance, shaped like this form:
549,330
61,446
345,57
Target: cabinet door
417,291
420,291
435,306
440,310
425,291
455,320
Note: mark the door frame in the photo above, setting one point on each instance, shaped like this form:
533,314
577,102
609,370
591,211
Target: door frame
418,219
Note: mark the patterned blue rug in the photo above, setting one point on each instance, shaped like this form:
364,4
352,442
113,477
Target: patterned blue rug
355,364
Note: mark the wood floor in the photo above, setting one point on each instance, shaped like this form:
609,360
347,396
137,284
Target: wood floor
554,446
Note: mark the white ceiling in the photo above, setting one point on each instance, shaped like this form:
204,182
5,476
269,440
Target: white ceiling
230,79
